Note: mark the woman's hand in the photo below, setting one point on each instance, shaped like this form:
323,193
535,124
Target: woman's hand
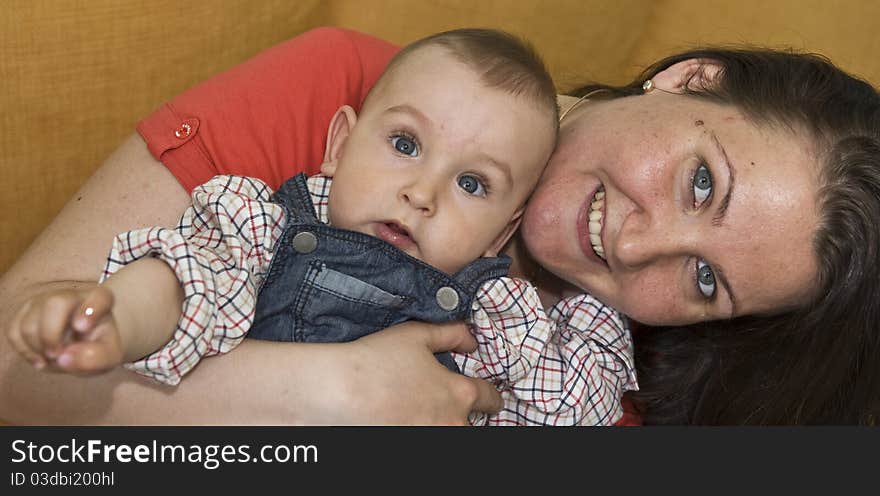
392,377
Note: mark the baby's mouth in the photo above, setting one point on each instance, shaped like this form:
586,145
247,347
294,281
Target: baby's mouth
396,234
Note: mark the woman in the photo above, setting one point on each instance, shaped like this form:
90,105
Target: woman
729,192
799,343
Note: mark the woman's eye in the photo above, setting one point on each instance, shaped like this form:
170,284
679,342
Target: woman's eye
472,185
705,279
405,145
702,185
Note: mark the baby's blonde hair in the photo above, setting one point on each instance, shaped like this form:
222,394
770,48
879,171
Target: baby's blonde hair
502,60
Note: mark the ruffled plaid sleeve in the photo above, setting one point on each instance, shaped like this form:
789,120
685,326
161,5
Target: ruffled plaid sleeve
220,252
568,367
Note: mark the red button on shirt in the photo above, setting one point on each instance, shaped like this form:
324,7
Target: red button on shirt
183,131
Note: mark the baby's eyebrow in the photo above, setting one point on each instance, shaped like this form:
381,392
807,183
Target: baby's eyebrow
502,167
410,110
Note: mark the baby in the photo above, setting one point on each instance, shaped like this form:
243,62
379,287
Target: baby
417,196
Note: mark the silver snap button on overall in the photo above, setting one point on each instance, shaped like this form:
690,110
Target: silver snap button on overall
447,298
305,242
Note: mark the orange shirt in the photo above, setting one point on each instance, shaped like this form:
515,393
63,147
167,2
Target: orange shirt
267,117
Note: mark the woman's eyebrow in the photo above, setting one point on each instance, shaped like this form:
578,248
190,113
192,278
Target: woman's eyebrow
719,272
718,218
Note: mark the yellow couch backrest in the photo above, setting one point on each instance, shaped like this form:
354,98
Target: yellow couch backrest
76,76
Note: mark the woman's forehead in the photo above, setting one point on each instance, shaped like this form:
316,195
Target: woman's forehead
765,242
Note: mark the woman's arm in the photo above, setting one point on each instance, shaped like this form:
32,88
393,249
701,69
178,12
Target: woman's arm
266,383
131,189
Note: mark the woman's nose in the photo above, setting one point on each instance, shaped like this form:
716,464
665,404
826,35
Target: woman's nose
644,238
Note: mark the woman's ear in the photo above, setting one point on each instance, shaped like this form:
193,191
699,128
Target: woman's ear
340,127
506,233
692,74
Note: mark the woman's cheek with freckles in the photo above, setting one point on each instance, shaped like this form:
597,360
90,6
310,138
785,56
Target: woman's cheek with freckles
539,217
647,300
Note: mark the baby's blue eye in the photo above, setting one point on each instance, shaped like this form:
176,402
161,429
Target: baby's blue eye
405,145
472,185
702,185
705,279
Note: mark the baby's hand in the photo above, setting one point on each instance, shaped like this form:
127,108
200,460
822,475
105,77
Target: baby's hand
70,331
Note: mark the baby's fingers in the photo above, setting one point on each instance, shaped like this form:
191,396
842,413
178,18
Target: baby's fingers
16,337
93,308
88,357
53,322
30,328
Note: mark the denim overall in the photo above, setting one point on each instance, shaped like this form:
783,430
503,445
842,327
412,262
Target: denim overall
332,285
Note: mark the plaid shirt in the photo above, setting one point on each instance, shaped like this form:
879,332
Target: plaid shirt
568,366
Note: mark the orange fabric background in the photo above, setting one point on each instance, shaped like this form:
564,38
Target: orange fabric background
78,75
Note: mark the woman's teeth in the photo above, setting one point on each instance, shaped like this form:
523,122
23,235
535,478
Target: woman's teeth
597,213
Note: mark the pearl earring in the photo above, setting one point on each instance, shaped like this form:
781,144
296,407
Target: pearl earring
648,85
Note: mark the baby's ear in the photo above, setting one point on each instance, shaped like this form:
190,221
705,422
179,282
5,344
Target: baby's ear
505,234
340,127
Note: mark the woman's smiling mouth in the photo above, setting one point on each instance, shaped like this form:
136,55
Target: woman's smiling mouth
590,221
596,219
